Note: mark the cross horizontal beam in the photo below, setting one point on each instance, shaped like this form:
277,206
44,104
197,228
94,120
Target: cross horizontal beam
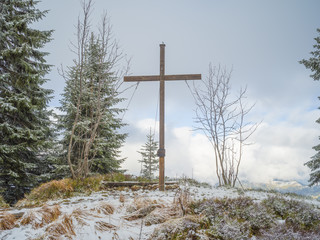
166,77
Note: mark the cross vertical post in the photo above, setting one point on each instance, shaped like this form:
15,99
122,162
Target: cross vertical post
162,78
161,151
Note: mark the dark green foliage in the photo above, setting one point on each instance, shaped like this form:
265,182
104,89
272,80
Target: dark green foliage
98,100
3,204
24,121
149,160
314,165
313,63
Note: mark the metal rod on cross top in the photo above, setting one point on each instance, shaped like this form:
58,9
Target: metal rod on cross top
162,78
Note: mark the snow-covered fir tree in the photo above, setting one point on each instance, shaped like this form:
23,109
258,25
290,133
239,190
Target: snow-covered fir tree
149,161
91,122
313,63
24,120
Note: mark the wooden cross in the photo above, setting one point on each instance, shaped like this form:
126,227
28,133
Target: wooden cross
162,78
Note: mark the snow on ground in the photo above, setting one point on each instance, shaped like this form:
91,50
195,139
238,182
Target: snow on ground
104,215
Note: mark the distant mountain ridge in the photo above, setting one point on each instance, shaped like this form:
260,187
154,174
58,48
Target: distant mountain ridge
286,187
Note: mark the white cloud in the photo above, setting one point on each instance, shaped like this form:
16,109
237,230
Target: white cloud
145,125
279,152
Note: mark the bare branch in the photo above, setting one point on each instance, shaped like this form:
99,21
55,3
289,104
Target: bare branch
222,120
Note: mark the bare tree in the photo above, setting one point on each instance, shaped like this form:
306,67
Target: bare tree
96,81
222,118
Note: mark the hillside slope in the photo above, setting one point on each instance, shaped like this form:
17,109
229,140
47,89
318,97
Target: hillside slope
187,212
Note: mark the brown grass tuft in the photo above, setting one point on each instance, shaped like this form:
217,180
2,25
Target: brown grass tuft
81,215
47,191
159,215
104,208
7,221
28,218
121,198
41,217
140,202
63,228
50,214
142,212
104,226
64,188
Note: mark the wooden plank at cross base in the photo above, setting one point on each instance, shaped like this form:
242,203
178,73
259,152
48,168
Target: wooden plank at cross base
153,78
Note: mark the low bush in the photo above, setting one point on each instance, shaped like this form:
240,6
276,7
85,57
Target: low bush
228,229
47,191
240,215
282,232
174,229
87,185
298,215
3,203
242,218
57,189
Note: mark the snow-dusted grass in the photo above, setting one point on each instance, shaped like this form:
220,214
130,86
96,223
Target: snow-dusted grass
194,212
66,188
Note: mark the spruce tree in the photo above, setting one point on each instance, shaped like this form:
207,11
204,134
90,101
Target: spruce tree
89,104
24,120
149,159
313,63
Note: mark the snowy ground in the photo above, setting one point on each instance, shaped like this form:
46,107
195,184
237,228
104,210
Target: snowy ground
106,214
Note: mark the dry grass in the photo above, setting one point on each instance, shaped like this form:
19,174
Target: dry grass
46,191
64,188
105,208
81,216
122,198
63,228
140,202
50,214
7,221
140,208
28,218
104,226
142,212
182,201
41,217
159,215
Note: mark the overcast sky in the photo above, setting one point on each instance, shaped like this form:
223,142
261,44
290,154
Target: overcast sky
262,41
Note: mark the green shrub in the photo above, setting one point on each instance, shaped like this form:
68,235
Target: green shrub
118,177
87,185
3,203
